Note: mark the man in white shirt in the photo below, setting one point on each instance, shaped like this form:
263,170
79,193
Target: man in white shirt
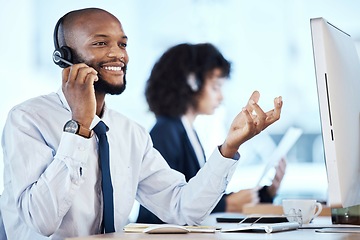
52,175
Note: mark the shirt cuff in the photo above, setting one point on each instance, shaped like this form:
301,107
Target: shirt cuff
74,147
220,165
235,157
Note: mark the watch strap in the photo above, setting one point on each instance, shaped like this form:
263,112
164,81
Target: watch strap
84,132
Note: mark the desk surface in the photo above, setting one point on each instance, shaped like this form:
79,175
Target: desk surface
300,234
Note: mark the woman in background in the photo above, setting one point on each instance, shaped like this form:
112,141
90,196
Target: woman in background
186,82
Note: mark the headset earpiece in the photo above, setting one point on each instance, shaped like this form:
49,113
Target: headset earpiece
63,53
193,79
193,82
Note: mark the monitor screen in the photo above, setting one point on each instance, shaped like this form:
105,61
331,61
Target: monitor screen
337,70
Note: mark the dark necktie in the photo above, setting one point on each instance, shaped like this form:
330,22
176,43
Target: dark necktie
108,206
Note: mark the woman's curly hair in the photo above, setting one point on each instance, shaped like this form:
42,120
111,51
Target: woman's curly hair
167,91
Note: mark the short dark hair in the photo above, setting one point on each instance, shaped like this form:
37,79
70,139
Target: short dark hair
167,90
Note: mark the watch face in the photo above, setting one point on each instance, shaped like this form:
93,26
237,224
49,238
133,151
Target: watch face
71,126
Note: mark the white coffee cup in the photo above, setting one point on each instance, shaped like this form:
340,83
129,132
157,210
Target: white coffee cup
301,209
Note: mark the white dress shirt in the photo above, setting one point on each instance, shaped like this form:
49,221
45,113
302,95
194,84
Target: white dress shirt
194,140
52,182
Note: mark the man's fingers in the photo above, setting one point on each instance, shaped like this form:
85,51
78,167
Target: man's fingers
277,107
78,73
260,115
255,96
249,119
274,114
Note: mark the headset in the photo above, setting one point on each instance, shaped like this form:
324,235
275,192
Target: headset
192,79
193,82
62,56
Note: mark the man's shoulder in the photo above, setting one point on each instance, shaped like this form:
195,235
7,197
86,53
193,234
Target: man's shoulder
38,103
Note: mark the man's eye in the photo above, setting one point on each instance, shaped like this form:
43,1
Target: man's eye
124,45
100,43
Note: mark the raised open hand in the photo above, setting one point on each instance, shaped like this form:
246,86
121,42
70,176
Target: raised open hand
248,123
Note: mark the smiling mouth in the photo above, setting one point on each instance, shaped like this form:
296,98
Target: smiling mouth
113,68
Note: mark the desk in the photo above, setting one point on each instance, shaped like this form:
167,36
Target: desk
267,208
300,234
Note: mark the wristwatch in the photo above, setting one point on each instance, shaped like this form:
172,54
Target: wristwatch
73,126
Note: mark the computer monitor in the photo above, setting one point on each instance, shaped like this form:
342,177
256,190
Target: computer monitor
337,70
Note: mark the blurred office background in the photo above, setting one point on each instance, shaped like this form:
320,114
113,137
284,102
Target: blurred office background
267,41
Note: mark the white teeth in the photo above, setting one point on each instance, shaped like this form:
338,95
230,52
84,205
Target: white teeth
111,68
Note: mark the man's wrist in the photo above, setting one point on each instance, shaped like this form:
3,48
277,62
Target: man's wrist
75,127
228,152
85,132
